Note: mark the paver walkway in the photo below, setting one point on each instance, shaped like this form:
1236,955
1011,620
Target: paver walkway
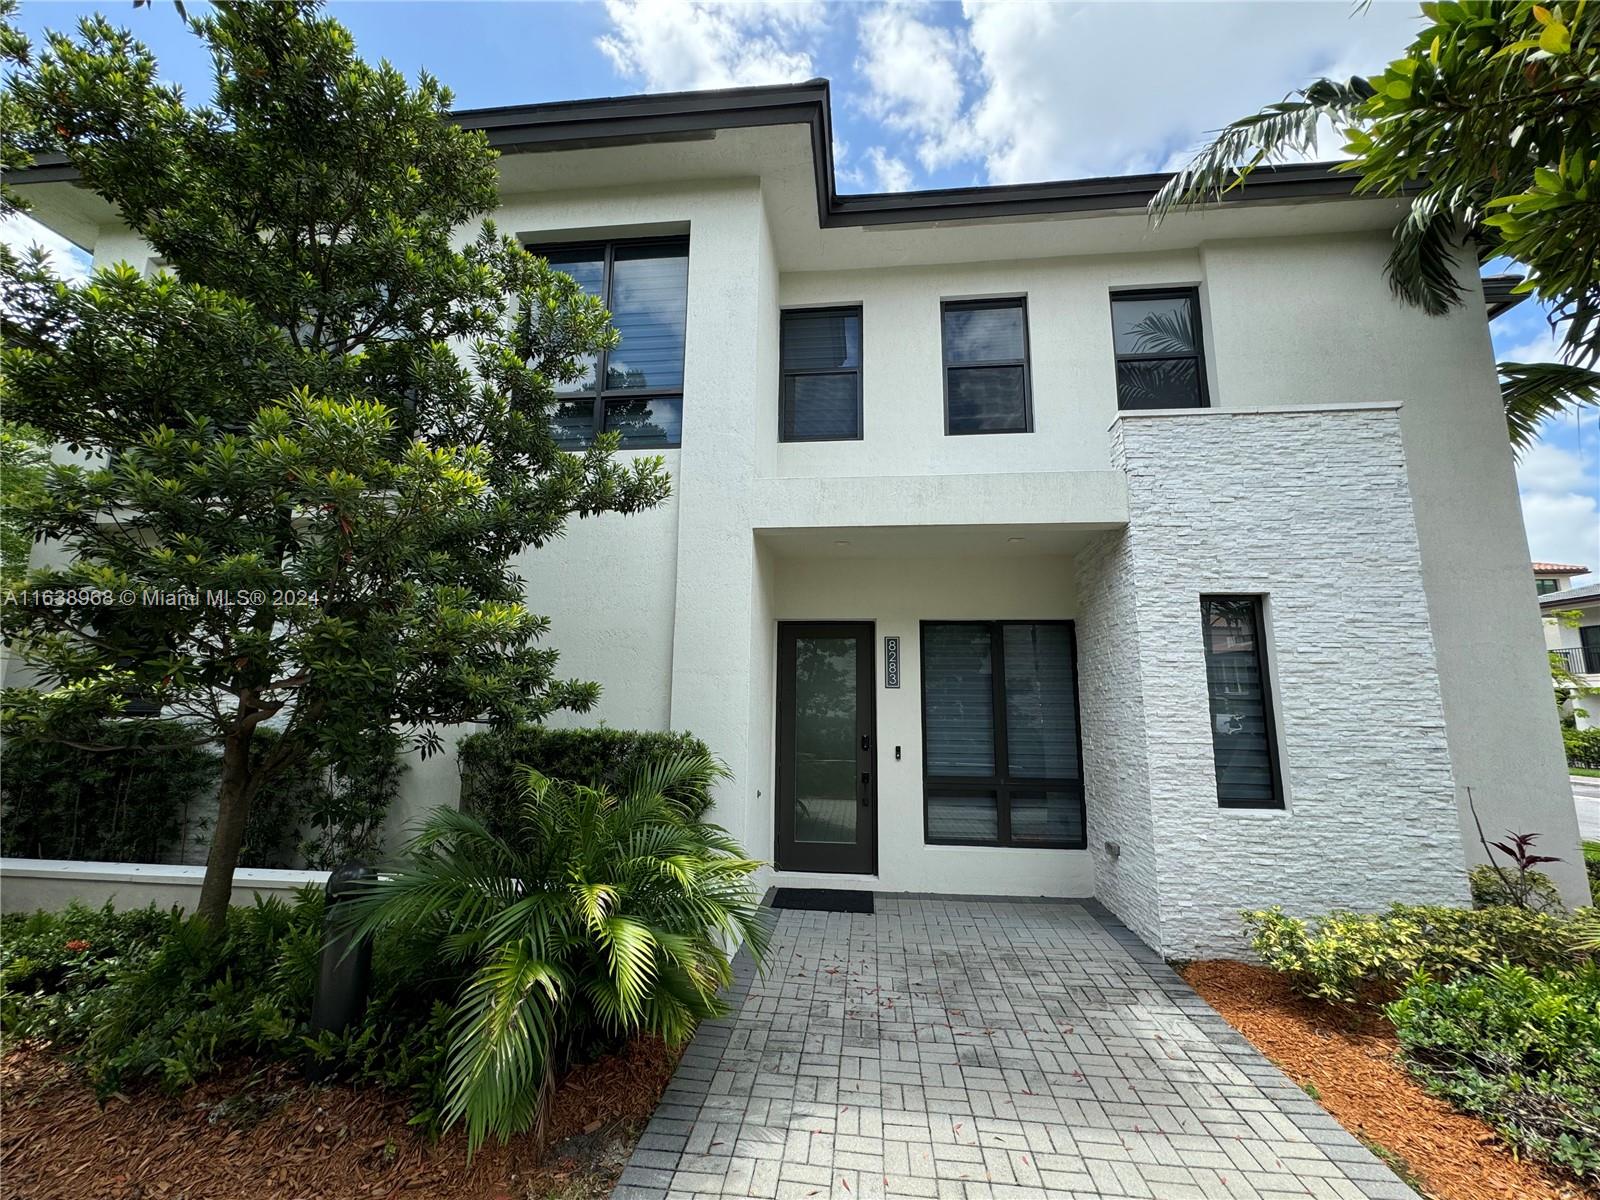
960,1049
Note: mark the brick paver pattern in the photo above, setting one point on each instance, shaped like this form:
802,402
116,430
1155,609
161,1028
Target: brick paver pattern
960,1049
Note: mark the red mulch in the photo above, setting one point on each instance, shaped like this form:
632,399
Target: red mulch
267,1134
1348,1055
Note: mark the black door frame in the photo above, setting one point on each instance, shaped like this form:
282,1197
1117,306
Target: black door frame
863,854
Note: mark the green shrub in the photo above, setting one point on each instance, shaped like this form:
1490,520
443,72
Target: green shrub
137,803
1493,888
1346,956
1591,863
493,765
125,805
1583,747
594,914
146,997
1518,1050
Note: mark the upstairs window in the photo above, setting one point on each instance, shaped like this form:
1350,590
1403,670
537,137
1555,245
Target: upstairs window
821,369
1160,360
1544,587
635,390
1244,743
986,366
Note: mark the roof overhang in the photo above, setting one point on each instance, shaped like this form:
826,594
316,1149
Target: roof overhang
593,132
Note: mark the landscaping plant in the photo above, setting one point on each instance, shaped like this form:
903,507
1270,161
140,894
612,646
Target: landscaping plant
494,764
1583,747
1517,1049
599,913
315,435
146,997
1347,957
1518,885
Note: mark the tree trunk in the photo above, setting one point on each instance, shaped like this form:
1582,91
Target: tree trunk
233,808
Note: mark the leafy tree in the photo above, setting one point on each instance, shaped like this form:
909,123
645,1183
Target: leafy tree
22,470
1489,122
327,415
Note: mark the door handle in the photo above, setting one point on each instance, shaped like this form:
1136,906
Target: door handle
866,788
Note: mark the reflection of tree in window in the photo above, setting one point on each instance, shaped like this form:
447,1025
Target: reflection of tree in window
825,727
1158,349
635,389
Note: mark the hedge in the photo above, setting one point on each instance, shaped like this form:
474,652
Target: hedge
1583,747
492,762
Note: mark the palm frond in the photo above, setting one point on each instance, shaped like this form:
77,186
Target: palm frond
1421,267
1166,331
1278,130
1531,392
502,1036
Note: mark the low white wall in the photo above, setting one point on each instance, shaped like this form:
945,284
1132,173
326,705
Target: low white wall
30,884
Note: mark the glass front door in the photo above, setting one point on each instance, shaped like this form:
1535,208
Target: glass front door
827,778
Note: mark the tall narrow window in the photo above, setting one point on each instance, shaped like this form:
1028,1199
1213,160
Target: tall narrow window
1000,734
635,390
986,366
1243,740
1160,359
821,368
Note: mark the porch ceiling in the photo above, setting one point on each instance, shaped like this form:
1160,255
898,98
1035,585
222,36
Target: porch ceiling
928,541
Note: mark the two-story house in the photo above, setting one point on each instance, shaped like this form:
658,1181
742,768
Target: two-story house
1572,632
1018,547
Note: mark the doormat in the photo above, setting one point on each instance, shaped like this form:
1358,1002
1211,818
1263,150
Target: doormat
823,900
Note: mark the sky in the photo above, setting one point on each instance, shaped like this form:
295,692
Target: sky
930,95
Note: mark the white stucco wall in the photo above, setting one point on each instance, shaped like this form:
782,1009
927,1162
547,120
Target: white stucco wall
1071,363
1309,509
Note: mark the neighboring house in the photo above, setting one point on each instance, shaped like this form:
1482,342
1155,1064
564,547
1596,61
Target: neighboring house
1555,577
1572,630
1019,548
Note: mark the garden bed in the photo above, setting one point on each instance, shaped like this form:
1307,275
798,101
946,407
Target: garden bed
254,1133
1344,1057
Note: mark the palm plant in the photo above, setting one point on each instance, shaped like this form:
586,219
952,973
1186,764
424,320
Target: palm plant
1489,123
594,911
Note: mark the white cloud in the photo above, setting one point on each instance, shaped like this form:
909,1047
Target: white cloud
1560,490
21,233
682,45
892,173
913,72
1064,91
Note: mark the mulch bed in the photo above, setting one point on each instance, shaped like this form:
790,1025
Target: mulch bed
1348,1056
266,1134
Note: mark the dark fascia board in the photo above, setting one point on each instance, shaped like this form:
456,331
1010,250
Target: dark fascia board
577,124
1498,296
673,116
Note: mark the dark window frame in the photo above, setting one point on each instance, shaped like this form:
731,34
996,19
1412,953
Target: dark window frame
1190,293
1001,783
785,372
599,393
947,366
1540,587
1268,699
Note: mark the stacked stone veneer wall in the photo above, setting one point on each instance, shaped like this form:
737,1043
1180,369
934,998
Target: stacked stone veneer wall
1111,703
1311,508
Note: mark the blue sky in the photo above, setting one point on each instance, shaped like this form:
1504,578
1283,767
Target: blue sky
935,95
